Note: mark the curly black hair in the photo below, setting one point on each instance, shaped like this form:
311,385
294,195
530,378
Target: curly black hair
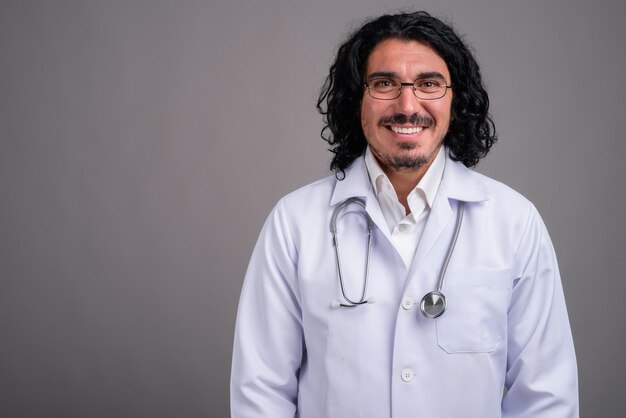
471,132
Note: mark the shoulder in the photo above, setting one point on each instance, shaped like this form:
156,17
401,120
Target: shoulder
494,205
499,192
305,204
514,212
460,182
316,193
302,215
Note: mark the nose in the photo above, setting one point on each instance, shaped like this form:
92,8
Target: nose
407,102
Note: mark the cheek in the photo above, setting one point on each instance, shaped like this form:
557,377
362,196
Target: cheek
448,108
362,113
370,114
365,118
364,127
442,112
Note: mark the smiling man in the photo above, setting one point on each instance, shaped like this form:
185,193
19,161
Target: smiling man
405,134
405,284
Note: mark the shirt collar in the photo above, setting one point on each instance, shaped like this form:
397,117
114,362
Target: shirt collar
376,174
428,184
458,182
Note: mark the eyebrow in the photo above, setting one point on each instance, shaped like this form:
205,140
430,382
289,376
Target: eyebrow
431,74
420,76
382,74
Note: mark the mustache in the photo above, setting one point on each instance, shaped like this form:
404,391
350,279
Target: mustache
401,119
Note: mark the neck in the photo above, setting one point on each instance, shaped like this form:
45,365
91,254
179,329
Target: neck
404,181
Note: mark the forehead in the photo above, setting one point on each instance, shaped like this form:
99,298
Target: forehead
405,58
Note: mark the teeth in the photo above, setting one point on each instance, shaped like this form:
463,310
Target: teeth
411,130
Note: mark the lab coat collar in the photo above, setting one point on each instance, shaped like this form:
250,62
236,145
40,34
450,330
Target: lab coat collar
461,183
458,183
355,184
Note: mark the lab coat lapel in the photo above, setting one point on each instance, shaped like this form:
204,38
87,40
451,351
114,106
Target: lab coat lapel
440,216
458,183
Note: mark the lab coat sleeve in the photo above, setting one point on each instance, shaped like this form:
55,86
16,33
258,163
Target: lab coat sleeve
541,378
268,345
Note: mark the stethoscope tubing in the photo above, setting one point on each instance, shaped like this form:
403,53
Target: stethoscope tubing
433,304
333,228
457,229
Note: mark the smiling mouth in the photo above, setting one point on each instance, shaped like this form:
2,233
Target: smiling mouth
406,130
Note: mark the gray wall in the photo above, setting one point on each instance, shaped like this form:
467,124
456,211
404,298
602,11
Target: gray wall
142,144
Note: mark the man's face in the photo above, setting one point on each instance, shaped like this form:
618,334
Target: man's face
405,133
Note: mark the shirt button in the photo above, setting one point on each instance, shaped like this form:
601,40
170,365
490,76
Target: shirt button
407,375
408,302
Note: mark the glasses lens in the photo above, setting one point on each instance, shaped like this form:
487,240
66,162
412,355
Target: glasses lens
383,88
430,88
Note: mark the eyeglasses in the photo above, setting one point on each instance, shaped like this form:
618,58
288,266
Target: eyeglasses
385,88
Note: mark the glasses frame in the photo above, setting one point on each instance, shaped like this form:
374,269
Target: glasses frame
403,85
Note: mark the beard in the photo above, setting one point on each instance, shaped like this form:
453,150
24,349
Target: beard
405,160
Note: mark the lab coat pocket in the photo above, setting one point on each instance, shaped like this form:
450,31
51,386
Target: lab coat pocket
476,315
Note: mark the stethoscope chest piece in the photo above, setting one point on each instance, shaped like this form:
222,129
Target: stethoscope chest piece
433,304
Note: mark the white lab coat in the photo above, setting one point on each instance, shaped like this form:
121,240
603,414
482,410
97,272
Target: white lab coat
506,324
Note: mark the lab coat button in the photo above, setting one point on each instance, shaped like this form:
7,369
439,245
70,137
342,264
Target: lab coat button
407,375
408,302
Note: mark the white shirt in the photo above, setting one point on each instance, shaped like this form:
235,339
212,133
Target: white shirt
505,326
406,230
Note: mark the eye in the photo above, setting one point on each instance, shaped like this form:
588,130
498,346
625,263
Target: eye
429,84
383,83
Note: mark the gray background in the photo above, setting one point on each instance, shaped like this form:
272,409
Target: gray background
142,144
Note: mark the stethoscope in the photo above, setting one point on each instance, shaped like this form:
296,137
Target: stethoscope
433,304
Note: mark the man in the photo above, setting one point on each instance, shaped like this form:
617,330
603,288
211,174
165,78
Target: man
345,334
